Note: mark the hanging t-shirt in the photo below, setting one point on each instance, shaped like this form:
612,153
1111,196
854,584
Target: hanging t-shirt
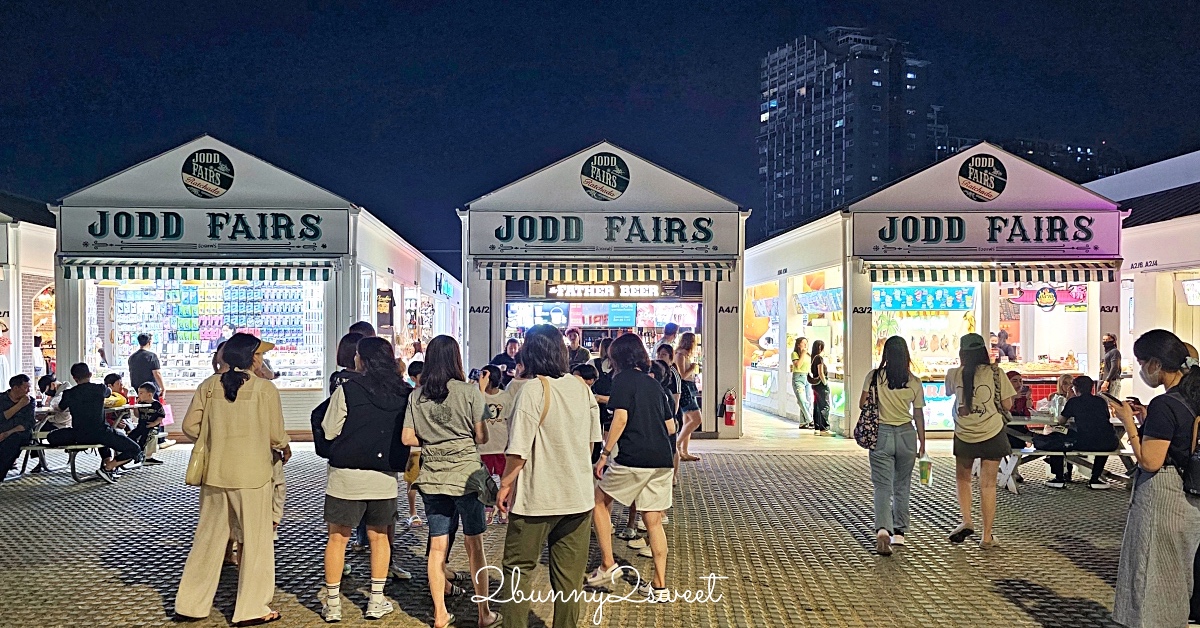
895,406
645,442
984,418
499,408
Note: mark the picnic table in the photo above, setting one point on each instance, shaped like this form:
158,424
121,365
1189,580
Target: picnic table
1008,466
39,444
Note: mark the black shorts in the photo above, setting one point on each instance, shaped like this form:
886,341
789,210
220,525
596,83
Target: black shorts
376,513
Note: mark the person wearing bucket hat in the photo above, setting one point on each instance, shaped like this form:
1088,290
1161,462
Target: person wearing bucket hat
982,399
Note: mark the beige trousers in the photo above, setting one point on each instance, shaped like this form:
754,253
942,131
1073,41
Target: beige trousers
220,509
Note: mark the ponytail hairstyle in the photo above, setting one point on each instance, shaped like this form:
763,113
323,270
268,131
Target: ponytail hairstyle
1166,351
238,353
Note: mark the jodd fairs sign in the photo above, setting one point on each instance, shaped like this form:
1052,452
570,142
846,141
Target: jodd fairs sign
570,234
981,236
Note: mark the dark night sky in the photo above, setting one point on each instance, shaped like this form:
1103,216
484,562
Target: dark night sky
414,112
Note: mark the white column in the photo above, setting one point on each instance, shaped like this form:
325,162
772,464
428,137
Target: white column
10,301
860,338
478,309
722,352
70,322
1108,319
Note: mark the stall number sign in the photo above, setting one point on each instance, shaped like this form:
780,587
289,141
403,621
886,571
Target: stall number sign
495,233
603,291
978,236
166,232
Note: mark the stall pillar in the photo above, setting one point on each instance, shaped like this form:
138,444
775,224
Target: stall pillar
860,337
69,322
10,298
477,309
722,351
1104,317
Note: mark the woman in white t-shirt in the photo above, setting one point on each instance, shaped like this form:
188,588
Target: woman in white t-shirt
982,397
901,440
547,483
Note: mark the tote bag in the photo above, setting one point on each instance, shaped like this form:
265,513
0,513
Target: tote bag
866,433
198,463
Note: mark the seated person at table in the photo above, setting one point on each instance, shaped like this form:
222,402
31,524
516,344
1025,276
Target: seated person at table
1020,408
16,421
85,402
1092,431
117,393
148,421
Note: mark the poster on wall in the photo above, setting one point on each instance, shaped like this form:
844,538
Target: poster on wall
818,302
526,315
385,305
923,298
659,314
760,335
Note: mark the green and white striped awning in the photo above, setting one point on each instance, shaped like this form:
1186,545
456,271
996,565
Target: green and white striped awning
595,271
1015,272
197,270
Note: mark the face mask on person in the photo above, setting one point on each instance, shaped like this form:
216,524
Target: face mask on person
1151,379
1109,345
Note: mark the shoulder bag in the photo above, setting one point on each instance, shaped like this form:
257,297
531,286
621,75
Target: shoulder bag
866,432
1191,469
198,463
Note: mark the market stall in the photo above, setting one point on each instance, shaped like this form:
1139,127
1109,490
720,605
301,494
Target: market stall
26,271
608,242
204,241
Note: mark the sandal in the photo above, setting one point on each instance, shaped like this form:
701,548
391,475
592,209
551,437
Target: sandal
272,618
495,622
992,544
960,534
415,522
460,576
449,622
689,457
455,591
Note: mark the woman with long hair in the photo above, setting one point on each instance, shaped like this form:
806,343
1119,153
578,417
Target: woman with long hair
241,418
347,351
1162,531
689,399
547,485
449,421
363,423
418,352
818,378
602,387
982,398
901,402
801,363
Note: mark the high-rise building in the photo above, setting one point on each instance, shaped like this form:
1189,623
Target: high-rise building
841,115
1078,162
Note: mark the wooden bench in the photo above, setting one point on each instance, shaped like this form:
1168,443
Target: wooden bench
72,453
1008,466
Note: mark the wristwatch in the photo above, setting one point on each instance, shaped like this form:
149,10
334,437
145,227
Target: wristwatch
606,452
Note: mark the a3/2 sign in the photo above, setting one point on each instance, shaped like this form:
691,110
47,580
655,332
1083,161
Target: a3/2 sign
862,309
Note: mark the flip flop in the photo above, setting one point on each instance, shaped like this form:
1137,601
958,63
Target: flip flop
269,619
496,622
449,622
460,576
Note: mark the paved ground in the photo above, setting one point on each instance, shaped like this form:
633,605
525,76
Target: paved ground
787,527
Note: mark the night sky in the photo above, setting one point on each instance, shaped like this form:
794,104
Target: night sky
414,112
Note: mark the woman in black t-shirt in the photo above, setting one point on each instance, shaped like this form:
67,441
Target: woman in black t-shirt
1162,532
818,376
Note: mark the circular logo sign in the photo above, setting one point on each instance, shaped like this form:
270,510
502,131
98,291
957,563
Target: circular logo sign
982,178
1046,298
207,173
604,177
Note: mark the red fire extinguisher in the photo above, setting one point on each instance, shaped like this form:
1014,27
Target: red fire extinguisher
728,404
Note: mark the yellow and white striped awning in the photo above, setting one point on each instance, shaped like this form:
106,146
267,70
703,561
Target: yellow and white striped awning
1011,272
596,271
197,270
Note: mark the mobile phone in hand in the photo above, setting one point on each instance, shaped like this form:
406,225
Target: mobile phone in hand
1134,401
1111,399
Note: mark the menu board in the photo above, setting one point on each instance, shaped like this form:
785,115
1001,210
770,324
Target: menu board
923,298
527,315
818,301
659,314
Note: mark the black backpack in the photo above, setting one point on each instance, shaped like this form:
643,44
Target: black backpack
318,432
62,437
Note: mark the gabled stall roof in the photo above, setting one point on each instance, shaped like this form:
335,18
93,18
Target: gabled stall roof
1162,206
557,188
1026,186
157,182
1156,177
23,209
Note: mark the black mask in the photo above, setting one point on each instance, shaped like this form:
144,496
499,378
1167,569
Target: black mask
1109,345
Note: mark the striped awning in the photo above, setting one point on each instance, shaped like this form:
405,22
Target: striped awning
196,270
1015,272
594,271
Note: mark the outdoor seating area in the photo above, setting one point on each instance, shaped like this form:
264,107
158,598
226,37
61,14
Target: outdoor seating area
1009,474
39,444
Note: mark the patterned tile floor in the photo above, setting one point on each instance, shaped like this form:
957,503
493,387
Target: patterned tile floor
788,531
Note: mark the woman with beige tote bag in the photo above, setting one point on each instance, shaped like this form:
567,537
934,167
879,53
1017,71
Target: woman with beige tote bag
236,419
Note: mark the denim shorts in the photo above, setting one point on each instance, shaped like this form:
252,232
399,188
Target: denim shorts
440,510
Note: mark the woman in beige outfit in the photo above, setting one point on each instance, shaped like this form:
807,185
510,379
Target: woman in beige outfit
245,423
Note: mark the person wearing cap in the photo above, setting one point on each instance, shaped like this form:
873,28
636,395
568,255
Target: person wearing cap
241,416
670,331
263,367
983,395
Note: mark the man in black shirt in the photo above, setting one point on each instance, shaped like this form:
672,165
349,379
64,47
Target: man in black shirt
85,402
16,423
507,360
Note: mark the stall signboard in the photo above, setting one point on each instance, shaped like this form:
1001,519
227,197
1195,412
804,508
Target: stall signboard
527,315
604,291
659,314
675,235
981,236
197,232
622,314
818,301
923,298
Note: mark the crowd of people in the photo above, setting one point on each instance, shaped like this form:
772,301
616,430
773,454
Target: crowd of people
542,441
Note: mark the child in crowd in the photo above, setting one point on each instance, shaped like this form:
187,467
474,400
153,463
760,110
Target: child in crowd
118,394
499,405
148,421
414,458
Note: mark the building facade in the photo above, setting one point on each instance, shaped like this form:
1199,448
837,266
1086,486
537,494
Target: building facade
841,115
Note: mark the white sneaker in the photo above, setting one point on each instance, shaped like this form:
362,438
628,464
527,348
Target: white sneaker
627,534
637,543
1056,483
898,539
331,612
645,552
641,525
166,443
376,610
131,466
1100,486
399,573
601,576
653,595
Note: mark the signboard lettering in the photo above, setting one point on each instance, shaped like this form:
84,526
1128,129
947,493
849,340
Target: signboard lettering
1105,309
603,291
982,178
727,309
570,234
861,309
207,173
981,236
1150,263
605,177
481,309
